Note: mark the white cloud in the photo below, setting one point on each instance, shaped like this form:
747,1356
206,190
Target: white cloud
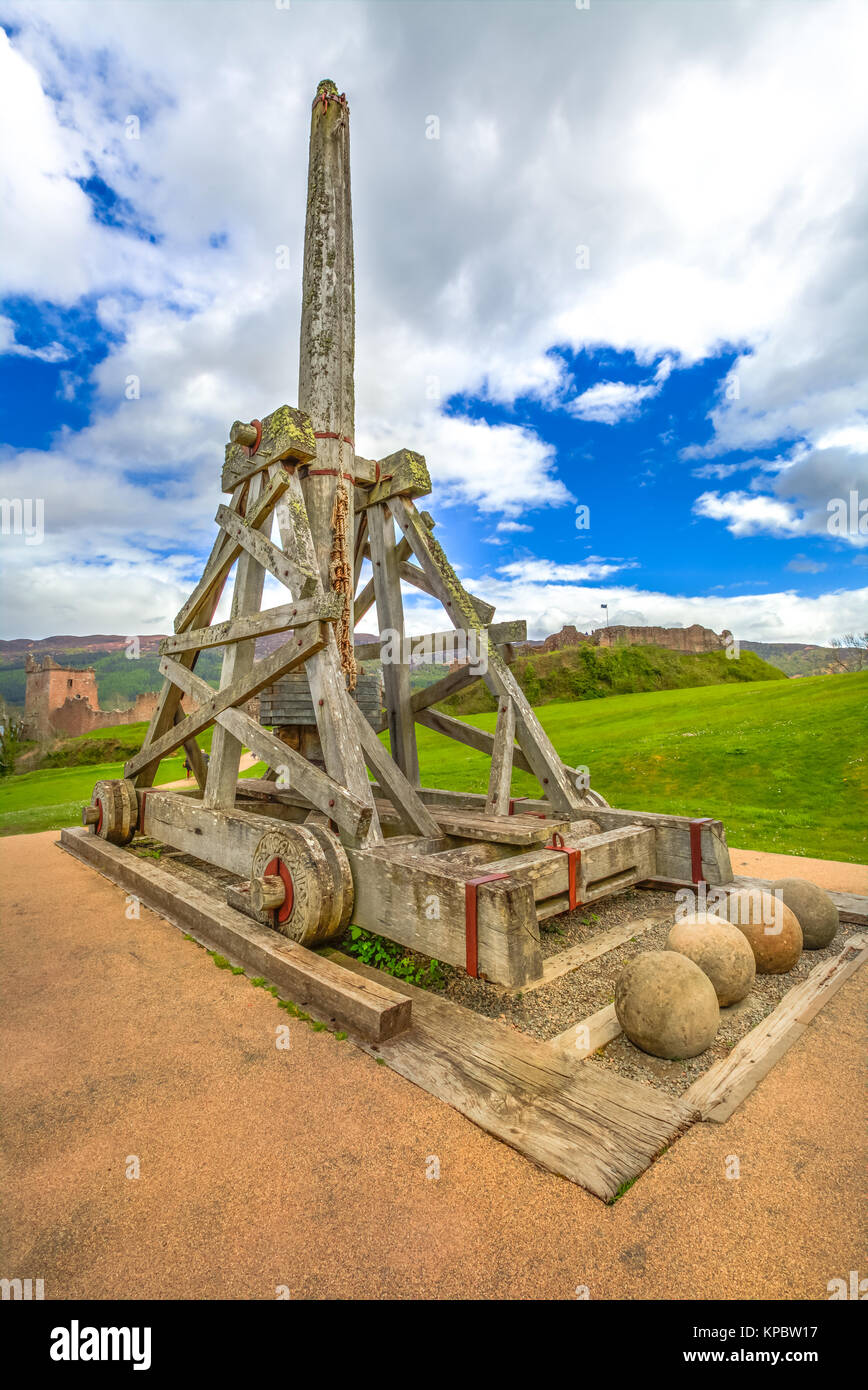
748,515
711,157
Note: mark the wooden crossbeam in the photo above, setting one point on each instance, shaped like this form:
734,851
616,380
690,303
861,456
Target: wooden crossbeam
202,610
451,684
547,766
412,810
468,734
396,674
498,634
226,550
404,472
316,786
211,703
299,579
326,608
331,699
497,800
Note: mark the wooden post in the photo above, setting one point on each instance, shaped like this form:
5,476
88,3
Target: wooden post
327,349
390,613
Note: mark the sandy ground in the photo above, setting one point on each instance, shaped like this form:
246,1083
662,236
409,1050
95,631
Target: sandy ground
306,1168
828,873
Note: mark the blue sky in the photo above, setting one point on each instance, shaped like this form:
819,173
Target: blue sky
609,258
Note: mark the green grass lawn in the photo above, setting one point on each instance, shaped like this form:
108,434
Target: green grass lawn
781,763
53,797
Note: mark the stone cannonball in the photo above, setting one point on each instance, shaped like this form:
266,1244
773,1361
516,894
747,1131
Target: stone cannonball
666,1005
817,914
721,952
772,930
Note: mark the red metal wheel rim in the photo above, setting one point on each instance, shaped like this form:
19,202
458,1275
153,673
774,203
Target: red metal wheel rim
276,867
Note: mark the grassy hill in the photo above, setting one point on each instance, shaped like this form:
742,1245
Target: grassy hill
799,658
590,673
782,763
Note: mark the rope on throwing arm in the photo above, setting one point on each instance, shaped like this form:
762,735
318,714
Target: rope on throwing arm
341,577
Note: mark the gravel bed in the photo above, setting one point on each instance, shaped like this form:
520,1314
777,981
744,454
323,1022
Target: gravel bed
553,1008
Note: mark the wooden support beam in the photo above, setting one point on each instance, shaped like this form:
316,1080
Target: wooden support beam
316,786
445,645
469,735
226,550
412,574
202,611
265,671
396,672
325,609
535,743
286,434
238,657
451,684
403,473
414,900
500,777
412,811
301,581
328,689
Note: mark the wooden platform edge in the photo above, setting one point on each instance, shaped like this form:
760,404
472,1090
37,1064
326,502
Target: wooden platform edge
720,1090
366,1008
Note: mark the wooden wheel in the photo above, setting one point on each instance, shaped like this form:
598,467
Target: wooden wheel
113,811
340,867
313,897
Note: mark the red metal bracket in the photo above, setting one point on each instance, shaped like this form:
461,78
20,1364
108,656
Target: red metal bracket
142,796
574,863
277,868
471,935
511,811
696,847
251,448
330,434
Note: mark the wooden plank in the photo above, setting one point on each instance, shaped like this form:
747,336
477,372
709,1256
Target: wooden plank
581,1039
723,1087
535,743
368,1009
288,616
500,777
396,672
412,811
286,434
588,1125
316,786
444,645
301,582
264,671
502,830
610,861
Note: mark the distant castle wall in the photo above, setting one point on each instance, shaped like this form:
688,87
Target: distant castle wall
63,701
679,639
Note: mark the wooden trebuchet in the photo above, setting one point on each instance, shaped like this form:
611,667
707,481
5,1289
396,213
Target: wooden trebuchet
336,826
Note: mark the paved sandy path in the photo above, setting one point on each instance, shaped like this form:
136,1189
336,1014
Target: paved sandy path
306,1168
829,873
